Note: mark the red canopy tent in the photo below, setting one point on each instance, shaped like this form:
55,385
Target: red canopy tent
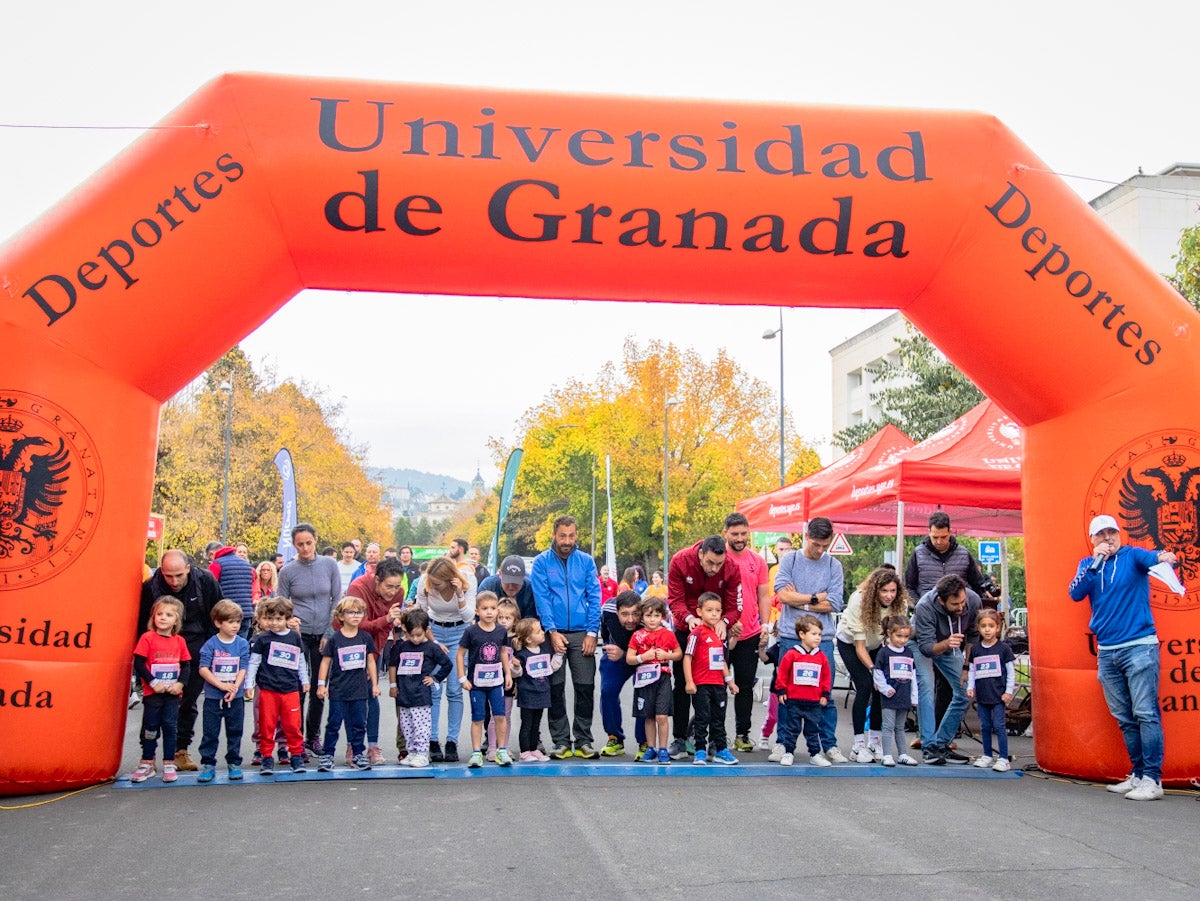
786,509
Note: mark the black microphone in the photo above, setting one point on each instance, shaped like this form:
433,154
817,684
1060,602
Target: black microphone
1097,562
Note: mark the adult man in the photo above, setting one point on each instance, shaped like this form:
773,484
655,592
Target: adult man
410,568
381,591
754,602
367,567
943,627
235,576
199,593
510,582
347,566
210,551
811,582
1115,582
566,589
783,547
939,555
618,622
693,571
481,571
313,585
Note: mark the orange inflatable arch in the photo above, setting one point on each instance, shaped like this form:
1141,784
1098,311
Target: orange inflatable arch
130,287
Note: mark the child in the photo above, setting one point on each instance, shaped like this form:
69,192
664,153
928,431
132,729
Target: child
895,679
347,678
652,649
706,674
415,664
769,652
161,661
991,660
532,667
277,665
804,685
507,618
484,671
224,659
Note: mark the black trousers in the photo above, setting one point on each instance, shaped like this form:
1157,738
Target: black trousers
743,660
709,702
316,706
189,701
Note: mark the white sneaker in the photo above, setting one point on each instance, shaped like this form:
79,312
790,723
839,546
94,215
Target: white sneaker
862,754
764,743
875,746
1001,765
887,760
983,761
836,756
776,754
906,760
416,760
1147,790
820,759
859,745
787,759
1128,784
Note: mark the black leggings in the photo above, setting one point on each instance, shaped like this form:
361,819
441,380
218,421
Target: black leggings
531,728
864,688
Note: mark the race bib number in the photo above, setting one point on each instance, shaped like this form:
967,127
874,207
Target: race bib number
804,673
410,663
165,672
489,675
987,667
225,666
285,656
716,658
901,668
352,656
538,666
646,674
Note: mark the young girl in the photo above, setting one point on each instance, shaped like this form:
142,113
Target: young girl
894,677
859,637
161,661
652,649
532,667
507,617
484,671
347,678
415,664
991,681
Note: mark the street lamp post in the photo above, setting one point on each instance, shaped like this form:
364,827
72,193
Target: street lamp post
667,405
768,335
226,386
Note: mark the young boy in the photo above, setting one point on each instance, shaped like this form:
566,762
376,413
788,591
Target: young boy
485,671
347,678
805,684
224,659
652,649
706,673
414,664
277,666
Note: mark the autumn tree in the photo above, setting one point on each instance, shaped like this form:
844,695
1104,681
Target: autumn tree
1186,277
334,491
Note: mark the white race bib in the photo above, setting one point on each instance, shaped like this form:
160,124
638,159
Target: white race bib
901,668
805,673
716,658
283,655
165,672
410,663
987,667
488,675
225,666
538,666
646,674
352,656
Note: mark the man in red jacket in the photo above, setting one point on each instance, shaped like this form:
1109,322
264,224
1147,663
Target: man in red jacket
693,571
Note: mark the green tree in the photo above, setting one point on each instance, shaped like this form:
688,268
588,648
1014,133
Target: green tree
1186,277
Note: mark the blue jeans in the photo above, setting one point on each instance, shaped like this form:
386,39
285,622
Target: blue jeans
450,637
803,716
1129,677
354,713
613,676
950,665
233,715
827,718
160,714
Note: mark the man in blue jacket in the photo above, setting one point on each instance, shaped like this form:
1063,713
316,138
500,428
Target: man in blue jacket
1115,581
566,589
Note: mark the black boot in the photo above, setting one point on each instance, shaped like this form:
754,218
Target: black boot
451,753
435,752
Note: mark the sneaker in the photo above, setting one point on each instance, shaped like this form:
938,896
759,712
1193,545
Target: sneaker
641,751
764,742
787,759
858,745
690,746
833,755
726,757
145,770
700,758
933,756
777,753
915,744
539,755
614,748
561,752
862,754
325,763
435,752
651,756
1126,786
208,772
256,760
134,699
1147,790
416,761
587,752
503,758
664,756
875,746
298,764
362,761
281,753
907,760
268,766
952,756
313,746
450,754
375,756
402,759
490,756
526,757
184,763
743,743
678,749
888,761
235,772
475,761
1001,765
820,759
170,775
984,762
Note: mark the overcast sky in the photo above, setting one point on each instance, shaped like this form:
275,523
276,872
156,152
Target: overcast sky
1096,90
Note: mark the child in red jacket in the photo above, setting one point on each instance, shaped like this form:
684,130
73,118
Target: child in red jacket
804,684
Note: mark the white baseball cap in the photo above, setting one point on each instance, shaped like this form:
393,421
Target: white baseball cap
1102,522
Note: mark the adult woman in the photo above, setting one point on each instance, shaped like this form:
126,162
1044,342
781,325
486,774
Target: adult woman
640,584
447,594
859,637
628,579
267,582
657,587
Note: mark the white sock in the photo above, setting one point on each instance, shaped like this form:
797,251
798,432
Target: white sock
859,740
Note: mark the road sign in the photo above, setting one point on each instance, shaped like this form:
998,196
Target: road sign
840,546
989,552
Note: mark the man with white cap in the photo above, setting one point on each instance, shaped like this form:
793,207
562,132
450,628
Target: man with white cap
1115,581
510,582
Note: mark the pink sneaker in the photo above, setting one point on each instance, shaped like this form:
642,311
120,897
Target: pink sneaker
527,757
540,756
169,772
